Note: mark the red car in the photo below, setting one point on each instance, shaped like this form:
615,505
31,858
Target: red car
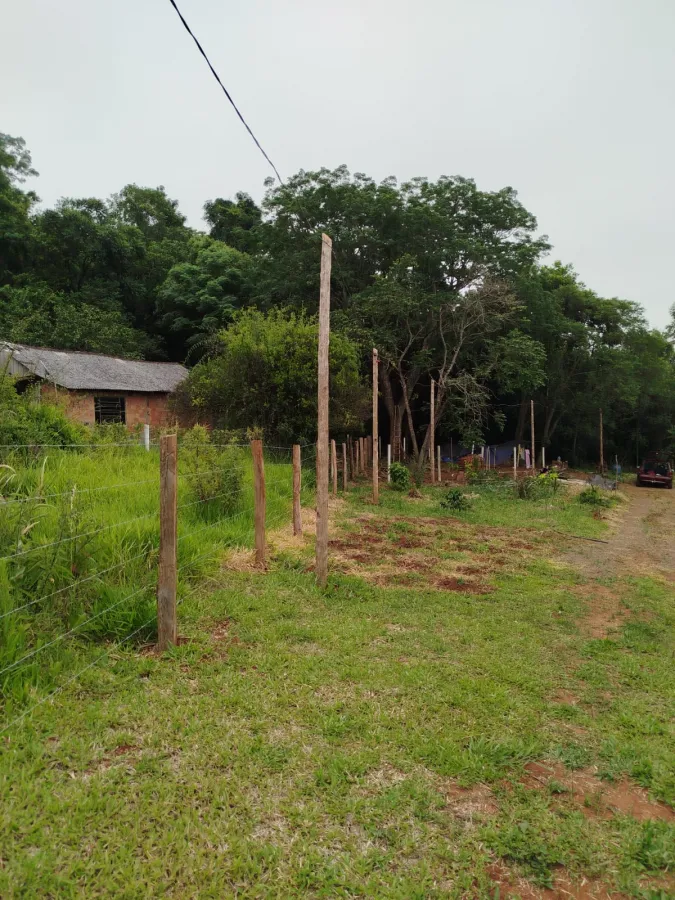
655,471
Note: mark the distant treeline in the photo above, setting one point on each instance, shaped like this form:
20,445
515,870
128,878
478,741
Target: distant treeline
447,281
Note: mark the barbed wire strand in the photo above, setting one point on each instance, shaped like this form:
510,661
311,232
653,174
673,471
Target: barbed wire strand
70,631
74,537
75,490
70,587
74,677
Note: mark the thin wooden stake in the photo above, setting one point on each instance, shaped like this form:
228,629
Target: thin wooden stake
543,457
602,447
297,487
438,466
344,467
322,430
432,430
259,501
333,456
167,626
388,462
515,463
534,461
376,437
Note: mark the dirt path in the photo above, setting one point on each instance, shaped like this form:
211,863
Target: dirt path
642,542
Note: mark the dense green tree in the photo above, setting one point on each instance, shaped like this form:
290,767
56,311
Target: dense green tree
35,314
235,222
199,296
263,374
15,206
150,210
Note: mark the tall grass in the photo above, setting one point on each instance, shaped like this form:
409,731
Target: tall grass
79,539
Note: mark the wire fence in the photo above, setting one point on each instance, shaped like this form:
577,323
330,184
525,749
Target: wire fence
81,541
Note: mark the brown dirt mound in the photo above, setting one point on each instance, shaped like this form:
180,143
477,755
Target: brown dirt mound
564,888
597,798
605,610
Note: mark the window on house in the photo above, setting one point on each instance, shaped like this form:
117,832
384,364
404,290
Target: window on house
109,409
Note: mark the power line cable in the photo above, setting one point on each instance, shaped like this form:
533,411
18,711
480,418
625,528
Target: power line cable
225,91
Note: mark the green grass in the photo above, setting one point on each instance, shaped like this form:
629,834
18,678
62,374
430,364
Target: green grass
68,516
362,741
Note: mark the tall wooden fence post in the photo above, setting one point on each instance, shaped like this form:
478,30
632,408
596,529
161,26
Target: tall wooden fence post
388,462
333,456
297,486
322,423
345,474
167,628
432,429
259,501
533,461
146,437
376,436
438,463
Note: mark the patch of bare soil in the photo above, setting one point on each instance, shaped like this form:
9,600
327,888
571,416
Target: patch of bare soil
596,798
564,888
462,587
388,552
605,611
641,542
470,804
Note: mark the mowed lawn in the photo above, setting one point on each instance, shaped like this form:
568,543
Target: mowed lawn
460,714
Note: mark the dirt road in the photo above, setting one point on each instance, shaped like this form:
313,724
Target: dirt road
641,542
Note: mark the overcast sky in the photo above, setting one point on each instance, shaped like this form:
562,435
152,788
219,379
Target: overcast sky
569,101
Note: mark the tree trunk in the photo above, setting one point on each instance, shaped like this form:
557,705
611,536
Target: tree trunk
522,420
411,424
395,412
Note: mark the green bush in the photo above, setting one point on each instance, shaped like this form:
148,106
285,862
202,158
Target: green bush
537,487
593,496
23,420
476,475
214,473
400,476
455,499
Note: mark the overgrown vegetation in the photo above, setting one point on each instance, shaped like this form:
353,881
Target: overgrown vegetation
444,278
79,537
593,496
455,499
400,476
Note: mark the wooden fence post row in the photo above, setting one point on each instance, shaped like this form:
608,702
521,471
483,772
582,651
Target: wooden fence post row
259,501
167,580
321,566
297,486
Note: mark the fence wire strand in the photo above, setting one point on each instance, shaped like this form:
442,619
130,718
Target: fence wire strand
74,677
278,488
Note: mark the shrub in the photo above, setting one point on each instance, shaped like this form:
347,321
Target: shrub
476,475
214,473
400,476
537,487
25,421
593,496
455,499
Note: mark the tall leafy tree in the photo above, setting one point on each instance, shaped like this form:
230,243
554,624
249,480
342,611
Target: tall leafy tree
15,205
199,296
235,222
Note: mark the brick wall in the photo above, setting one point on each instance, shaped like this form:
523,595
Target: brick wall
141,408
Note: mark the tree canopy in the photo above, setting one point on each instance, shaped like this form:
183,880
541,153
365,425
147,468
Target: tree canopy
448,281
